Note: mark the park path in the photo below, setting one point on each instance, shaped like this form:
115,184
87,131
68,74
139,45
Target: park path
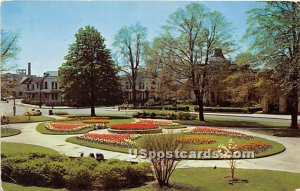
288,160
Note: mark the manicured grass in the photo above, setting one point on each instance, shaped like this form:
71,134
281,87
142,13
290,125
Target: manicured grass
279,132
25,119
11,148
208,179
15,187
7,132
222,122
112,116
42,129
75,140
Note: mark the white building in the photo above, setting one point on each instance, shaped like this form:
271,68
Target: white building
43,90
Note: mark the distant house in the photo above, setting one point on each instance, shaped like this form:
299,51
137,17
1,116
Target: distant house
143,88
44,90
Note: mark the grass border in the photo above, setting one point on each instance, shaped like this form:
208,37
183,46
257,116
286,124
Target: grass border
18,131
86,143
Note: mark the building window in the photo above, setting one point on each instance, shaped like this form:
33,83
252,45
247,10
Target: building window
128,86
141,85
56,85
52,85
54,97
32,86
46,85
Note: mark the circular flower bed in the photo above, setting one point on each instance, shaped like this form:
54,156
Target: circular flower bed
135,128
64,127
195,140
215,131
123,140
155,122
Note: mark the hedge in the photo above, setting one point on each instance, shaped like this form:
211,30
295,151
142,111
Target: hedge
59,171
179,108
231,109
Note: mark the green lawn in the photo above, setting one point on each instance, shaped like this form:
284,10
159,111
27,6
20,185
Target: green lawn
208,179
11,148
7,132
279,132
42,129
276,147
25,119
75,140
112,116
222,122
15,187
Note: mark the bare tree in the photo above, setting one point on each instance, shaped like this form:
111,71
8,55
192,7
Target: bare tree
129,42
190,37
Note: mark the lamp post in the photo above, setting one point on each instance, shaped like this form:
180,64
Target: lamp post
14,107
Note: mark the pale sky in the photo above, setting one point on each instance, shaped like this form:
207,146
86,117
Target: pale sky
47,28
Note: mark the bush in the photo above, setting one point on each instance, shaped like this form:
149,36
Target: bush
50,170
186,116
61,113
231,109
79,178
119,174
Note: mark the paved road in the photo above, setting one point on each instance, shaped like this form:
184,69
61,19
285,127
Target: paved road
286,161
6,108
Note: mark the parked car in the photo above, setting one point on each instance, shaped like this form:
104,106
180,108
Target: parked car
4,99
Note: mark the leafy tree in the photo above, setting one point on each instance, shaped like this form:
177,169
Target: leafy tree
241,82
274,31
9,49
130,42
190,37
89,76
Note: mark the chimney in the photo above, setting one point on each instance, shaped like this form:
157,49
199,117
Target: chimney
29,69
219,53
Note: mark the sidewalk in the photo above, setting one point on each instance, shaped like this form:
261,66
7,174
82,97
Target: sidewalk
254,115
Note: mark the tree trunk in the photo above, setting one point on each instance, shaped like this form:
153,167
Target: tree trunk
199,97
134,92
294,112
92,101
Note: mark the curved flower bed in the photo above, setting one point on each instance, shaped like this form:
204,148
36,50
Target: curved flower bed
64,127
195,140
122,140
215,131
155,122
256,146
136,128
96,121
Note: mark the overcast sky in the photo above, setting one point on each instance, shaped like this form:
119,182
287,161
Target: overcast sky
47,28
